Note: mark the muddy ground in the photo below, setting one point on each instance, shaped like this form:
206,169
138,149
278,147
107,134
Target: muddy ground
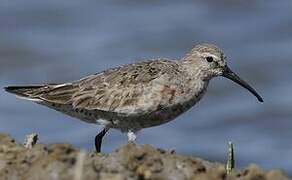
131,161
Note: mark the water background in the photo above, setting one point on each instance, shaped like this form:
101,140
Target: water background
58,41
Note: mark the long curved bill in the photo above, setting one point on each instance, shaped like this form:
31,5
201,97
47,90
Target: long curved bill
232,76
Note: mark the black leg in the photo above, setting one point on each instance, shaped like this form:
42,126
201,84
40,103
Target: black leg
98,139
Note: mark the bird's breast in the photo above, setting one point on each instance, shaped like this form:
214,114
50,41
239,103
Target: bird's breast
177,100
184,94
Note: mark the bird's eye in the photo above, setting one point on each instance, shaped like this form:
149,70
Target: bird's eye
209,58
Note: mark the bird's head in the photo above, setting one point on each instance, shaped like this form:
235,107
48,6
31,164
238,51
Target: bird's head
210,61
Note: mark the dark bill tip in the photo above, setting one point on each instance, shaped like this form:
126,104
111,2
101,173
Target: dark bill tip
235,78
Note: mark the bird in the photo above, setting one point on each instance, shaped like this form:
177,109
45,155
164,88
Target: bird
135,96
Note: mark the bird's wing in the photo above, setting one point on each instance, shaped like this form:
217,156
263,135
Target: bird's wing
120,89
117,90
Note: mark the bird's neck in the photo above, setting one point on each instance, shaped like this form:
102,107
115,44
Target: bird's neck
195,81
194,71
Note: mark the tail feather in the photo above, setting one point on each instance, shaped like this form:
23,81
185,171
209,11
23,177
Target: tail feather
23,91
60,93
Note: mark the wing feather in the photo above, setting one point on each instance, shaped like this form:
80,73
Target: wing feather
118,88
113,90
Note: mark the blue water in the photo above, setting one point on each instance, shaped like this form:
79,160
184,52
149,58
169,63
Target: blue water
59,41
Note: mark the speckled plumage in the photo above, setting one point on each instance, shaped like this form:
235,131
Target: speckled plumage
134,96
